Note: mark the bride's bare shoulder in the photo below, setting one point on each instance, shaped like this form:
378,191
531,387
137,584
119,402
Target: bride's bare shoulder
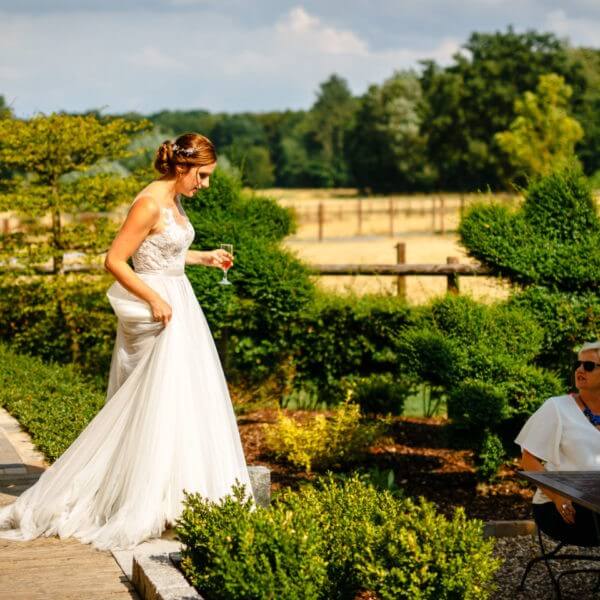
145,208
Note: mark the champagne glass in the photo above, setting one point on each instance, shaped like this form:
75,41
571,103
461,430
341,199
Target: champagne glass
226,265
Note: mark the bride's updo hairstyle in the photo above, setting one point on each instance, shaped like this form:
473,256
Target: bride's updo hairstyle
188,150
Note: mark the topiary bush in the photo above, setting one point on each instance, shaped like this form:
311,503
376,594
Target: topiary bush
333,541
254,317
51,401
551,240
567,318
480,358
490,457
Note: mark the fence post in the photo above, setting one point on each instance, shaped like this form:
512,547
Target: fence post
442,210
401,279
359,209
433,206
321,219
391,209
5,226
452,278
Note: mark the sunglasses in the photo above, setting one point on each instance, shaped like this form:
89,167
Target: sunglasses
588,365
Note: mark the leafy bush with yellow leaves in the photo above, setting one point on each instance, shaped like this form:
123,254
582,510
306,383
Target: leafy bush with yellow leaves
324,442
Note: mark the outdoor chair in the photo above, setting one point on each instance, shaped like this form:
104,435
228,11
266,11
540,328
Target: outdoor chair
553,555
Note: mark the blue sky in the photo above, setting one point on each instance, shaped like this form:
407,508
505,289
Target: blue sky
236,55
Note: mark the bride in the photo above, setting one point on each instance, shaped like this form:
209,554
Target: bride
168,423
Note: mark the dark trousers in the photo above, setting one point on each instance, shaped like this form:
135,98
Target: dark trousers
580,533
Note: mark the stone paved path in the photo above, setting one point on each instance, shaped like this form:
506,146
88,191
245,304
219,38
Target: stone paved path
48,568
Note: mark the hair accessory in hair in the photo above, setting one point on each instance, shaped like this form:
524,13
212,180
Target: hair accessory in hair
180,150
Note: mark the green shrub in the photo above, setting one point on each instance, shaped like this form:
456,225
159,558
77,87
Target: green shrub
52,402
567,319
477,404
232,551
332,541
339,338
490,457
381,393
253,320
322,442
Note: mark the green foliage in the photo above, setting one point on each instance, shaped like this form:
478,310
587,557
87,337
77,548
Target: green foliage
339,338
234,550
270,286
64,319
551,241
354,539
479,404
480,359
380,393
52,402
468,102
568,320
490,457
51,160
322,442
542,137
386,148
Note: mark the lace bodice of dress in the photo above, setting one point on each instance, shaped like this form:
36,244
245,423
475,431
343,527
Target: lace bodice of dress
167,249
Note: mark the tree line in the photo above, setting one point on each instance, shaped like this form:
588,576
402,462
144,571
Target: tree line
492,117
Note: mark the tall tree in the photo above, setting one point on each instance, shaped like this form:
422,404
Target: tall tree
587,110
386,149
54,164
473,99
329,120
542,137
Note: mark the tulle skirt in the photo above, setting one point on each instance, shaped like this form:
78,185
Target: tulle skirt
167,426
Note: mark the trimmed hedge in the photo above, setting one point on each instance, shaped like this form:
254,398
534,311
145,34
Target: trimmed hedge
340,339
51,401
64,318
332,541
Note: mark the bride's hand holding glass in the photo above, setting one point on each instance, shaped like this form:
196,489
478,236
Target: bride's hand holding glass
219,258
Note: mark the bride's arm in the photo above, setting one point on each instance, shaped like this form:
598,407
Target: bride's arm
142,217
196,257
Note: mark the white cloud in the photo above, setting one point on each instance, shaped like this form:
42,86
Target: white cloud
299,27
584,30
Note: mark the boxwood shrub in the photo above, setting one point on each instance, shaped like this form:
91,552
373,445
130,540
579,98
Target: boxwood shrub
333,541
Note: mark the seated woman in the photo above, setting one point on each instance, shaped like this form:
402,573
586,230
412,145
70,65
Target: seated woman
563,435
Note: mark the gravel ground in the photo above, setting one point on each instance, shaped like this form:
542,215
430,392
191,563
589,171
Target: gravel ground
516,552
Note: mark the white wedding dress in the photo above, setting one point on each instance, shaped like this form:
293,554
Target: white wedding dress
168,424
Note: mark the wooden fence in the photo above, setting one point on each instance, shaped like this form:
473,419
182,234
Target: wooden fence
452,270
437,206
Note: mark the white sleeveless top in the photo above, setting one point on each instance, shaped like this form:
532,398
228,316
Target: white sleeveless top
166,250
560,434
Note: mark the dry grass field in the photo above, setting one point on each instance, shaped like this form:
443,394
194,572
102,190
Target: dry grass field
429,238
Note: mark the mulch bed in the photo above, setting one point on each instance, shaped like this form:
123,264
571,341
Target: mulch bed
423,462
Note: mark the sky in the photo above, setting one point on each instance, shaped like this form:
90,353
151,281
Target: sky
241,55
